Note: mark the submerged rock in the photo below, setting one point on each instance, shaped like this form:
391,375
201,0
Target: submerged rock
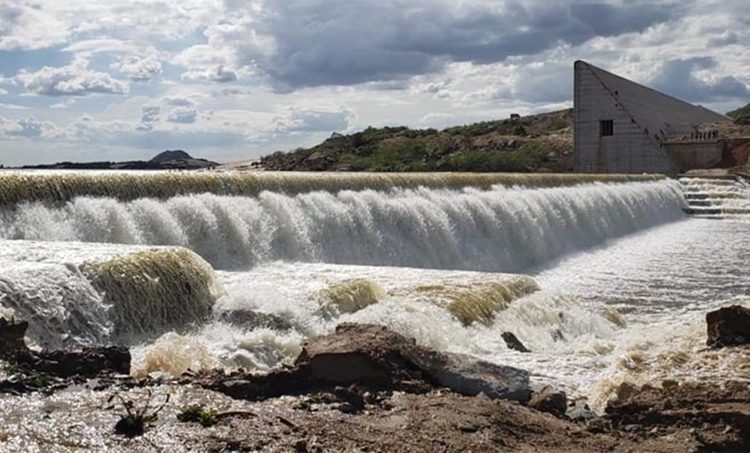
513,342
728,326
250,319
350,296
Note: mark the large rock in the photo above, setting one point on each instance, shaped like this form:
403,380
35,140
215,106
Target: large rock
549,400
377,358
468,376
88,362
366,354
728,326
375,355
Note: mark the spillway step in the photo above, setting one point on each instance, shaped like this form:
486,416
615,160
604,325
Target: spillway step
708,182
696,202
714,190
703,211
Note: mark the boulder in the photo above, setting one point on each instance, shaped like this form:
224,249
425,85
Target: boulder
580,412
549,400
371,354
468,376
377,358
366,354
513,342
728,326
88,362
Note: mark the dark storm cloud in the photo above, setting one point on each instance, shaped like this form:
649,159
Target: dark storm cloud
677,78
609,20
340,42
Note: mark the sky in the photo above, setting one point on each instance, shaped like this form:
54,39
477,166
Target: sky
233,80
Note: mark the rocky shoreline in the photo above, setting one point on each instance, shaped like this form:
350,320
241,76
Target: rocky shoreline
362,387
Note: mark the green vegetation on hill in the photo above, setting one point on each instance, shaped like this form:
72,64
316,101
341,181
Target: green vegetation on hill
741,115
538,143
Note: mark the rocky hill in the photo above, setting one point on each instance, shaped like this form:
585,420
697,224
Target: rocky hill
166,160
535,143
741,115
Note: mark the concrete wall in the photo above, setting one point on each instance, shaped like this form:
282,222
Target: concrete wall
694,154
643,119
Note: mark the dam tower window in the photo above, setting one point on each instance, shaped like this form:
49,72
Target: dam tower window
606,128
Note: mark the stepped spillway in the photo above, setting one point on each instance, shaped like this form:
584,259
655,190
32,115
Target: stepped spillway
717,197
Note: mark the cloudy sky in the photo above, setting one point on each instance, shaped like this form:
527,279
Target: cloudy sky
231,80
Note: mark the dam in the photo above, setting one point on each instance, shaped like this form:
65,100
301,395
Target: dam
597,274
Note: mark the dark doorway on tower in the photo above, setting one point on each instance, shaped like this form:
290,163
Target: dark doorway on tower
606,128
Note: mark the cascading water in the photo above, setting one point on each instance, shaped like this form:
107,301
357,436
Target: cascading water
501,229
76,294
298,254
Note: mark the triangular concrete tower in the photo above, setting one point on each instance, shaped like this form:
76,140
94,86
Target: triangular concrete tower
623,127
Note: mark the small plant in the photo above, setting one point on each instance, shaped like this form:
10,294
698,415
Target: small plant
30,377
12,368
136,420
206,416
519,130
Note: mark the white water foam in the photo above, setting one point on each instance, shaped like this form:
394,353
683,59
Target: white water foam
76,294
503,229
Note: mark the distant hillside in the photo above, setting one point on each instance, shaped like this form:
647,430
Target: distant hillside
741,115
168,155
536,143
166,160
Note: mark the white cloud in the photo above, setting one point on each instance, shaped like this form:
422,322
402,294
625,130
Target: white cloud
39,24
90,47
28,128
150,113
75,79
218,73
178,101
138,68
182,115
64,104
311,121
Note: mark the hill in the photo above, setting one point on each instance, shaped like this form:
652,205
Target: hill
166,160
535,143
741,115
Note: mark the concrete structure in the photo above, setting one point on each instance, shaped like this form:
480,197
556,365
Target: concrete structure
624,127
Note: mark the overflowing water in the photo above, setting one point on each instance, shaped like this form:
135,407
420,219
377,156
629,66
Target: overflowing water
616,276
500,229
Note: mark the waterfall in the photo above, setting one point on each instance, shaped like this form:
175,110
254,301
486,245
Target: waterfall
499,228
91,294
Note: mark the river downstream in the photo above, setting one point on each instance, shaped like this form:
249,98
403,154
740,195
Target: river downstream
604,281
